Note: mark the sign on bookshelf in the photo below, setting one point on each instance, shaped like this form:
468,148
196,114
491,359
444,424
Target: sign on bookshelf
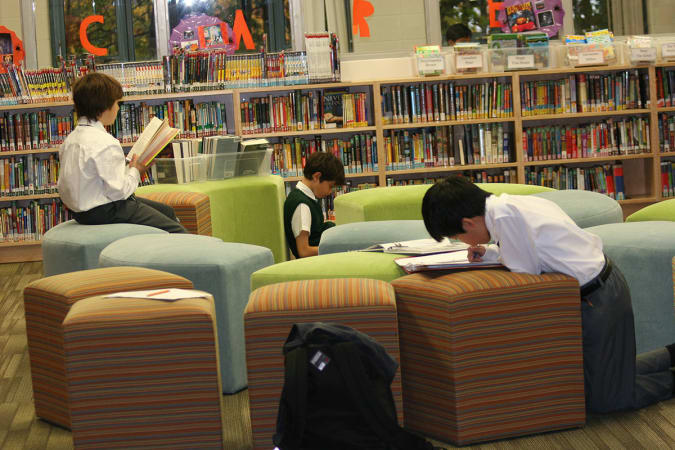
519,62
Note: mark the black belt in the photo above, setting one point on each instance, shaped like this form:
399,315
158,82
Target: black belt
598,281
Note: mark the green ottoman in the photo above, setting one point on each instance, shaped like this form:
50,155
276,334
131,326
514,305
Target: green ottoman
249,209
644,252
222,269
405,202
379,266
359,235
70,246
586,208
663,210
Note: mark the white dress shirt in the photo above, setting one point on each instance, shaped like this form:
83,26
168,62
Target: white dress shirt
302,216
534,235
93,168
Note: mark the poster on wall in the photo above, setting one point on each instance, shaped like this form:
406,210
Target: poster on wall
517,16
11,48
200,31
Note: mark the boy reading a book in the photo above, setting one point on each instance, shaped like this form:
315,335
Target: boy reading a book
533,235
95,182
303,217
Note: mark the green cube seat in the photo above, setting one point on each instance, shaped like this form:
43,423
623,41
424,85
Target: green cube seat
663,210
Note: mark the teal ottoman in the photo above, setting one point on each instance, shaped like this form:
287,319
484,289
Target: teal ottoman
663,210
586,208
70,246
405,202
644,252
359,235
221,268
378,266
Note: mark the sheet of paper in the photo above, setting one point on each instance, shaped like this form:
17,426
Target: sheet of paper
457,259
161,294
419,247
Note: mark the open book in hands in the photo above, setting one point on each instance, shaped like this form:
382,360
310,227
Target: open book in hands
418,247
442,261
156,135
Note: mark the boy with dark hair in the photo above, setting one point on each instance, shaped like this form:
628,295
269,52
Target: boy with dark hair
95,182
303,218
457,32
533,235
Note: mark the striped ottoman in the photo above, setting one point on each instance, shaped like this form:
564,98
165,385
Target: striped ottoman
46,303
488,354
193,209
143,373
364,304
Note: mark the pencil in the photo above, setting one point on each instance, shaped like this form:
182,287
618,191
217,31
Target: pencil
158,292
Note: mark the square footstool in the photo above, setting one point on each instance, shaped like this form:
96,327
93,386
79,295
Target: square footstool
490,354
143,373
46,303
364,304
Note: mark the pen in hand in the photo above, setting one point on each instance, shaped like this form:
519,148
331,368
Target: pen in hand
475,253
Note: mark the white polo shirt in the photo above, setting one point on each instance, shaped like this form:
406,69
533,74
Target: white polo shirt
302,216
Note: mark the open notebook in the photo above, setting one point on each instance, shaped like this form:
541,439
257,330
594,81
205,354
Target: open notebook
418,247
442,261
156,135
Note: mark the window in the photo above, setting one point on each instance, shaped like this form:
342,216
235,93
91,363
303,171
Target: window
472,13
590,15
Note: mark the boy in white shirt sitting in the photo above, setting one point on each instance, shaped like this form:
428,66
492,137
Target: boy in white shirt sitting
95,182
533,235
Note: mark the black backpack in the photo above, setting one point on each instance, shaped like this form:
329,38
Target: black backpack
337,393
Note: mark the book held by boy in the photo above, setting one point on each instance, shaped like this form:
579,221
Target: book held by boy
418,247
442,261
156,135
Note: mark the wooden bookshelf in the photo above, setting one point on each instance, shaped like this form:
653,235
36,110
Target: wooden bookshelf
643,169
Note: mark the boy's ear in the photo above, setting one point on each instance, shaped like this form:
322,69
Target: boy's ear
468,223
316,176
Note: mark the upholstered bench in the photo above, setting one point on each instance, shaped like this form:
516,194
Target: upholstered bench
489,354
143,373
221,268
248,210
404,202
70,246
193,209
366,305
663,210
359,235
644,251
379,266
46,303
586,208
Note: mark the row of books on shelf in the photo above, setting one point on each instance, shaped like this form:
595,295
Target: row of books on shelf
578,93
665,86
32,221
28,175
612,137
446,101
668,178
328,203
193,120
298,111
34,130
477,176
358,153
606,179
448,146
667,132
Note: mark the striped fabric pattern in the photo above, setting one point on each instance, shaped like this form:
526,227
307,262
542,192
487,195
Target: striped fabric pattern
192,208
46,303
143,373
489,354
364,304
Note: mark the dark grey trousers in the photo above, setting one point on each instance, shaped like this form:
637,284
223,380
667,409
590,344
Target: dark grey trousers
136,210
614,378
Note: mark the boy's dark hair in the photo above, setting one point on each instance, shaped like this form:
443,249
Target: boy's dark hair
329,165
457,31
447,202
94,93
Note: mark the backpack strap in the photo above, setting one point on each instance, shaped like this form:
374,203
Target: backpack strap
293,406
348,361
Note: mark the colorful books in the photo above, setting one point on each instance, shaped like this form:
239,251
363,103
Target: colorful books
520,17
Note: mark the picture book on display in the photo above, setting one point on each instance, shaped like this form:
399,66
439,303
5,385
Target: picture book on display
520,17
442,261
418,247
156,135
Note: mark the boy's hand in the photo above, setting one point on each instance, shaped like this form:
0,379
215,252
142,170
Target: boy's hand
475,253
138,165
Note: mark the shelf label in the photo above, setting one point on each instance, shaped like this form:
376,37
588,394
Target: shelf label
469,62
643,54
515,62
668,50
591,57
430,64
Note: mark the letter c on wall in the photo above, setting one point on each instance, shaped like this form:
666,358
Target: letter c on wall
98,51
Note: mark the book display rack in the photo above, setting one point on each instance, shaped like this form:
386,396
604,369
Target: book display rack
609,129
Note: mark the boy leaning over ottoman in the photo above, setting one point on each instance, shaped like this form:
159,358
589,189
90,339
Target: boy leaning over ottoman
95,182
533,235
303,216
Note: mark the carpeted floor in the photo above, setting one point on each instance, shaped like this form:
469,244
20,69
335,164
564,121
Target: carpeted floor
650,428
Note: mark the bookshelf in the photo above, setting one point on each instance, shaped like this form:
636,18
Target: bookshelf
641,170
